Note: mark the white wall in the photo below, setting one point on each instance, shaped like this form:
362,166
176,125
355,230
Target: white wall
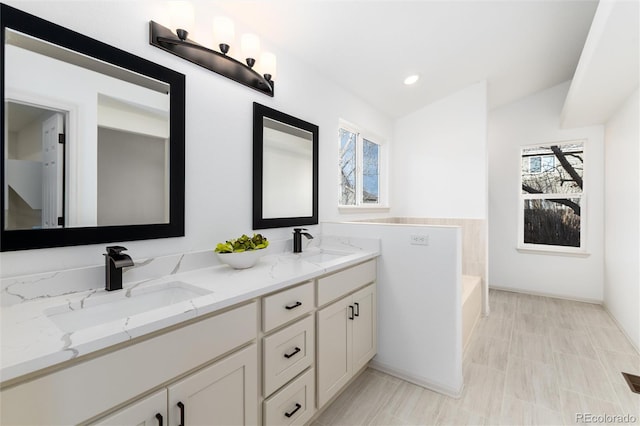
535,119
138,163
28,143
622,218
439,158
419,302
218,130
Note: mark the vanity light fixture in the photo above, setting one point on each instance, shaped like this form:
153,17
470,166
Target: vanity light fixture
411,79
217,61
223,33
250,46
182,16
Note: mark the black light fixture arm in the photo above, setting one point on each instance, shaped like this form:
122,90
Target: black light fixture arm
194,45
163,38
191,44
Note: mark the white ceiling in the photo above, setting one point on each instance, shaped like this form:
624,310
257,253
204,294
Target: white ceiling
609,67
369,47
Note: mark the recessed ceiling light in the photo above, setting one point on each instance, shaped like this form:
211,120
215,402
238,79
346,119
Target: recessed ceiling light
411,79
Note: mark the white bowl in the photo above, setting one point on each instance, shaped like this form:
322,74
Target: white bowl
242,260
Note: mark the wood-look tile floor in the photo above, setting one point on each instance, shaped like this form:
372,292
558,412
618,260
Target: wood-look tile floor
534,361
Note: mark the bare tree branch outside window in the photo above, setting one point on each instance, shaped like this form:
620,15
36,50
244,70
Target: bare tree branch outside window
359,168
348,167
552,179
370,172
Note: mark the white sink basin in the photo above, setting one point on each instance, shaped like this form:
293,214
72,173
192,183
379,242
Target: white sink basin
120,304
324,256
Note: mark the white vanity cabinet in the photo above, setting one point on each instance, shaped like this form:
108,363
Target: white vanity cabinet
294,404
275,359
346,328
149,411
86,388
364,335
288,354
284,306
225,393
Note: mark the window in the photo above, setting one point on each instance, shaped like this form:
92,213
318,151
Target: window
360,168
552,202
541,163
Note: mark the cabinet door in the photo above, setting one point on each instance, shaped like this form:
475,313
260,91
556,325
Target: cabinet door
334,348
364,327
142,413
225,393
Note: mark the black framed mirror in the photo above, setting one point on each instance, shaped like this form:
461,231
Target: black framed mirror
93,141
285,170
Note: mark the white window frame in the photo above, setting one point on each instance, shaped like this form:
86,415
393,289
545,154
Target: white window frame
551,249
383,199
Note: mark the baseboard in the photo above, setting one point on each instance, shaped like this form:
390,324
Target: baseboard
327,404
633,345
555,296
420,381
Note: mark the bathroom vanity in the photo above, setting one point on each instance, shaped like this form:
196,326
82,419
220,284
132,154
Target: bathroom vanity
204,344
268,345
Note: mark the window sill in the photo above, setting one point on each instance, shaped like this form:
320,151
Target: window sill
363,209
553,251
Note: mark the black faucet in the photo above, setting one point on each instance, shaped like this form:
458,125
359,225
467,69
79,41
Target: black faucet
297,239
114,261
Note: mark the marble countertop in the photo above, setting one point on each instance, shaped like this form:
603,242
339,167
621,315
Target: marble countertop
31,341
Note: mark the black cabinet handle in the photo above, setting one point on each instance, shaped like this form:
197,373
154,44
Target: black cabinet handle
295,305
357,309
159,417
298,406
181,406
295,351
352,312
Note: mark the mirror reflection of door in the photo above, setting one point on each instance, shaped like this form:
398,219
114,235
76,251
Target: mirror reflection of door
117,149
34,182
52,171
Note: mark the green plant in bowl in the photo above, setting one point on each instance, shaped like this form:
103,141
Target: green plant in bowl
243,252
243,243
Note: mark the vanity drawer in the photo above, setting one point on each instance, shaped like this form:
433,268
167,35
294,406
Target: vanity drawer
336,285
287,353
287,305
293,404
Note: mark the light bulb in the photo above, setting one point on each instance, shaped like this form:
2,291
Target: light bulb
250,44
182,17
268,65
223,33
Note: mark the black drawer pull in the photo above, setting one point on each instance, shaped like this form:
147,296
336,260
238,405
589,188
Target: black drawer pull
159,417
352,311
295,351
357,314
295,305
181,406
298,406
